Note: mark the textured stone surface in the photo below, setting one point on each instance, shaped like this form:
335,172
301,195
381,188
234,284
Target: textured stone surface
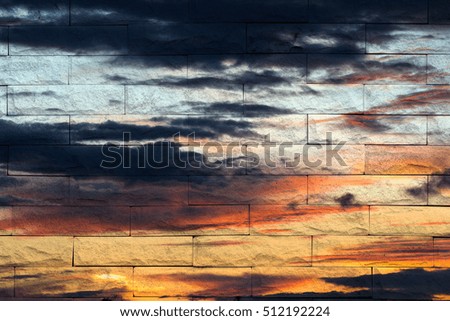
320,99
32,70
36,251
309,220
106,283
3,101
249,11
172,100
439,130
262,69
442,252
88,12
311,282
71,40
48,100
263,38
407,99
414,39
128,191
133,251
439,11
409,220
65,220
3,41
252,251
367,129
247,190
6,282
192,282
383,11
189,220
6,221
422,160
127,70
288,159
183,38
52,12
371,190
110,129
438,69
33,190
439,189
410,284
372,251
367,69
34,130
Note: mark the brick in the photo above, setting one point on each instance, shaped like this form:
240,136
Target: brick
127,70
372,251
421,160
264,38
48,12
192,220
414,39
215,158
132,251
311,282
38,100
367,129
367,190
308,220
64,220
31,130
3,101
383,11
68,40
254,128
261,69
250,11
367,69
406,99
36,251
288,159
409,220
33,190
439,189
109,129
252,251
410,284
129,191
186,38
192,282
442,252
6,221
304,99
3,41
88,12
247,190
172,100
149,160
3,160
438,130
32,70
439,11
438,69
98,282
6,282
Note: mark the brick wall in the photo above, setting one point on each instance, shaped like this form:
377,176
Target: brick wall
307,147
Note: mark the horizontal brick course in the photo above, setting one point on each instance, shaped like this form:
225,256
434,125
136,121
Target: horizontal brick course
65,100
252,251
133,251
